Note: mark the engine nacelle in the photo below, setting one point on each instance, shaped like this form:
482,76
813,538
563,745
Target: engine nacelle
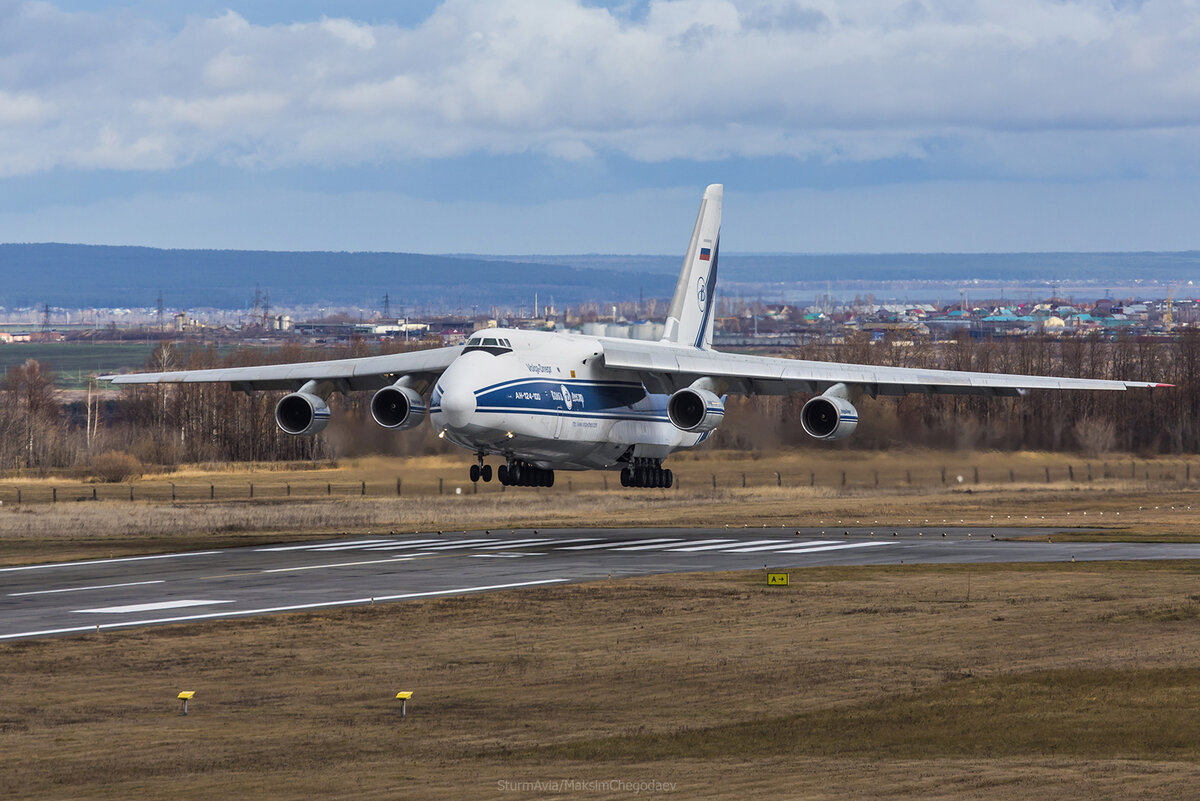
829,417
302,414
695,410
397,407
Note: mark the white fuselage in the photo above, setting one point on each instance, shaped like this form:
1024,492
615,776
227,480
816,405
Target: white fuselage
545,398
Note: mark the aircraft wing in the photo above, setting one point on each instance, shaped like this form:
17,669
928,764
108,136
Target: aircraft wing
665,368
369,372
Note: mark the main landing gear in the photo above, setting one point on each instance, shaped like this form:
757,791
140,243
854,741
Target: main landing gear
647,473
481,470
522,474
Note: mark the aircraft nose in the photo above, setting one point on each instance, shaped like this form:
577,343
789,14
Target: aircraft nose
458,404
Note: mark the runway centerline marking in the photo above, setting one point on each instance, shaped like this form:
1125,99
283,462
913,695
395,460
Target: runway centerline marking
93,587
150,607
397,559
293,608
89,562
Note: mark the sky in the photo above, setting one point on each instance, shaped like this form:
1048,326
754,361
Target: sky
572,126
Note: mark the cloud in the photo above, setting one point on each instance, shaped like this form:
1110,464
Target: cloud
1014,88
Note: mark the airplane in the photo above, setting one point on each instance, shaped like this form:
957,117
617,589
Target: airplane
546,401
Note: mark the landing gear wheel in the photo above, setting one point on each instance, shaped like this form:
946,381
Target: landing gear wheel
626,477
474,473
485,473
502,474
670,479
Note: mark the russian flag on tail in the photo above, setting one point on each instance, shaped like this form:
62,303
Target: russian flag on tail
705,254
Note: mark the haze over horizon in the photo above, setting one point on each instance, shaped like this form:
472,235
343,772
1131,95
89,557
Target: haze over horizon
514,127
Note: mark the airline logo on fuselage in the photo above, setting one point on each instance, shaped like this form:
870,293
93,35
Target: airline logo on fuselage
567,397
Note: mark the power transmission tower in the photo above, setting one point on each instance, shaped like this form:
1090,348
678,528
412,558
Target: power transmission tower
160,311
387,307
46,317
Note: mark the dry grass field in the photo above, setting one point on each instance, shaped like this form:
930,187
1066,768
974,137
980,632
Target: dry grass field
1138,499
980,682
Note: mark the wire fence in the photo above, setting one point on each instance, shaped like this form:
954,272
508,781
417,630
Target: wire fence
1158,473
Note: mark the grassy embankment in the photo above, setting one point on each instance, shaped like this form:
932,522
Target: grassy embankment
1139,500
998,682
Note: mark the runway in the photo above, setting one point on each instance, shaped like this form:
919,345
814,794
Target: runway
77,597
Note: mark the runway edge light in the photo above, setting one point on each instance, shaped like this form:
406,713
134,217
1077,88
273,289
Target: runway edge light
186,696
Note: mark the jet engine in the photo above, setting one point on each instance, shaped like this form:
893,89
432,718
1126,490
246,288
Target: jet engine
398,407
302,413
695,409
829,417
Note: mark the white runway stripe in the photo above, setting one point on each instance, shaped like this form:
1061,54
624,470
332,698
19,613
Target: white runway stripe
517,544
460,544
726,544
148,607
311,545
778,544
348,546
271,609
841,547
93,587
396,546
405,558
90,562
696,543
615,544
667,544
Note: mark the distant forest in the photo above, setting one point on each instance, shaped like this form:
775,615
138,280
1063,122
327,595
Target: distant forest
169,425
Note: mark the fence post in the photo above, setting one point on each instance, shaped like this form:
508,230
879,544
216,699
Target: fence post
778,479
569,487
714,479
976,474
364,488
399,490
1071,472
93,493
131,492
251,489
1089,467
743,480
943,475
1012,476
172,490
843,478
288,489
812,479
54,494
1047,475
440,486
212,491
329,489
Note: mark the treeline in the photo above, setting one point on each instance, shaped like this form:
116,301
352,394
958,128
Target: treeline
173,424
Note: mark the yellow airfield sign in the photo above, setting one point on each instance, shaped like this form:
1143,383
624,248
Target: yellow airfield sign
777,579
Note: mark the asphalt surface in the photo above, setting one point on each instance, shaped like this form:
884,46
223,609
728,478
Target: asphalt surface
75,597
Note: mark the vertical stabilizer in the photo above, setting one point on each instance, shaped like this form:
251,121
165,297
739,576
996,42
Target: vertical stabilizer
690,319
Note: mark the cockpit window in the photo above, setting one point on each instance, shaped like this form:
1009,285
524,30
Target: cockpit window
492,345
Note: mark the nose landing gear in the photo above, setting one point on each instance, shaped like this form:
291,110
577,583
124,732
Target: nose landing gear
481,470
647,473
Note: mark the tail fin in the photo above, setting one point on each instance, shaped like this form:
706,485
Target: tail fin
689,320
